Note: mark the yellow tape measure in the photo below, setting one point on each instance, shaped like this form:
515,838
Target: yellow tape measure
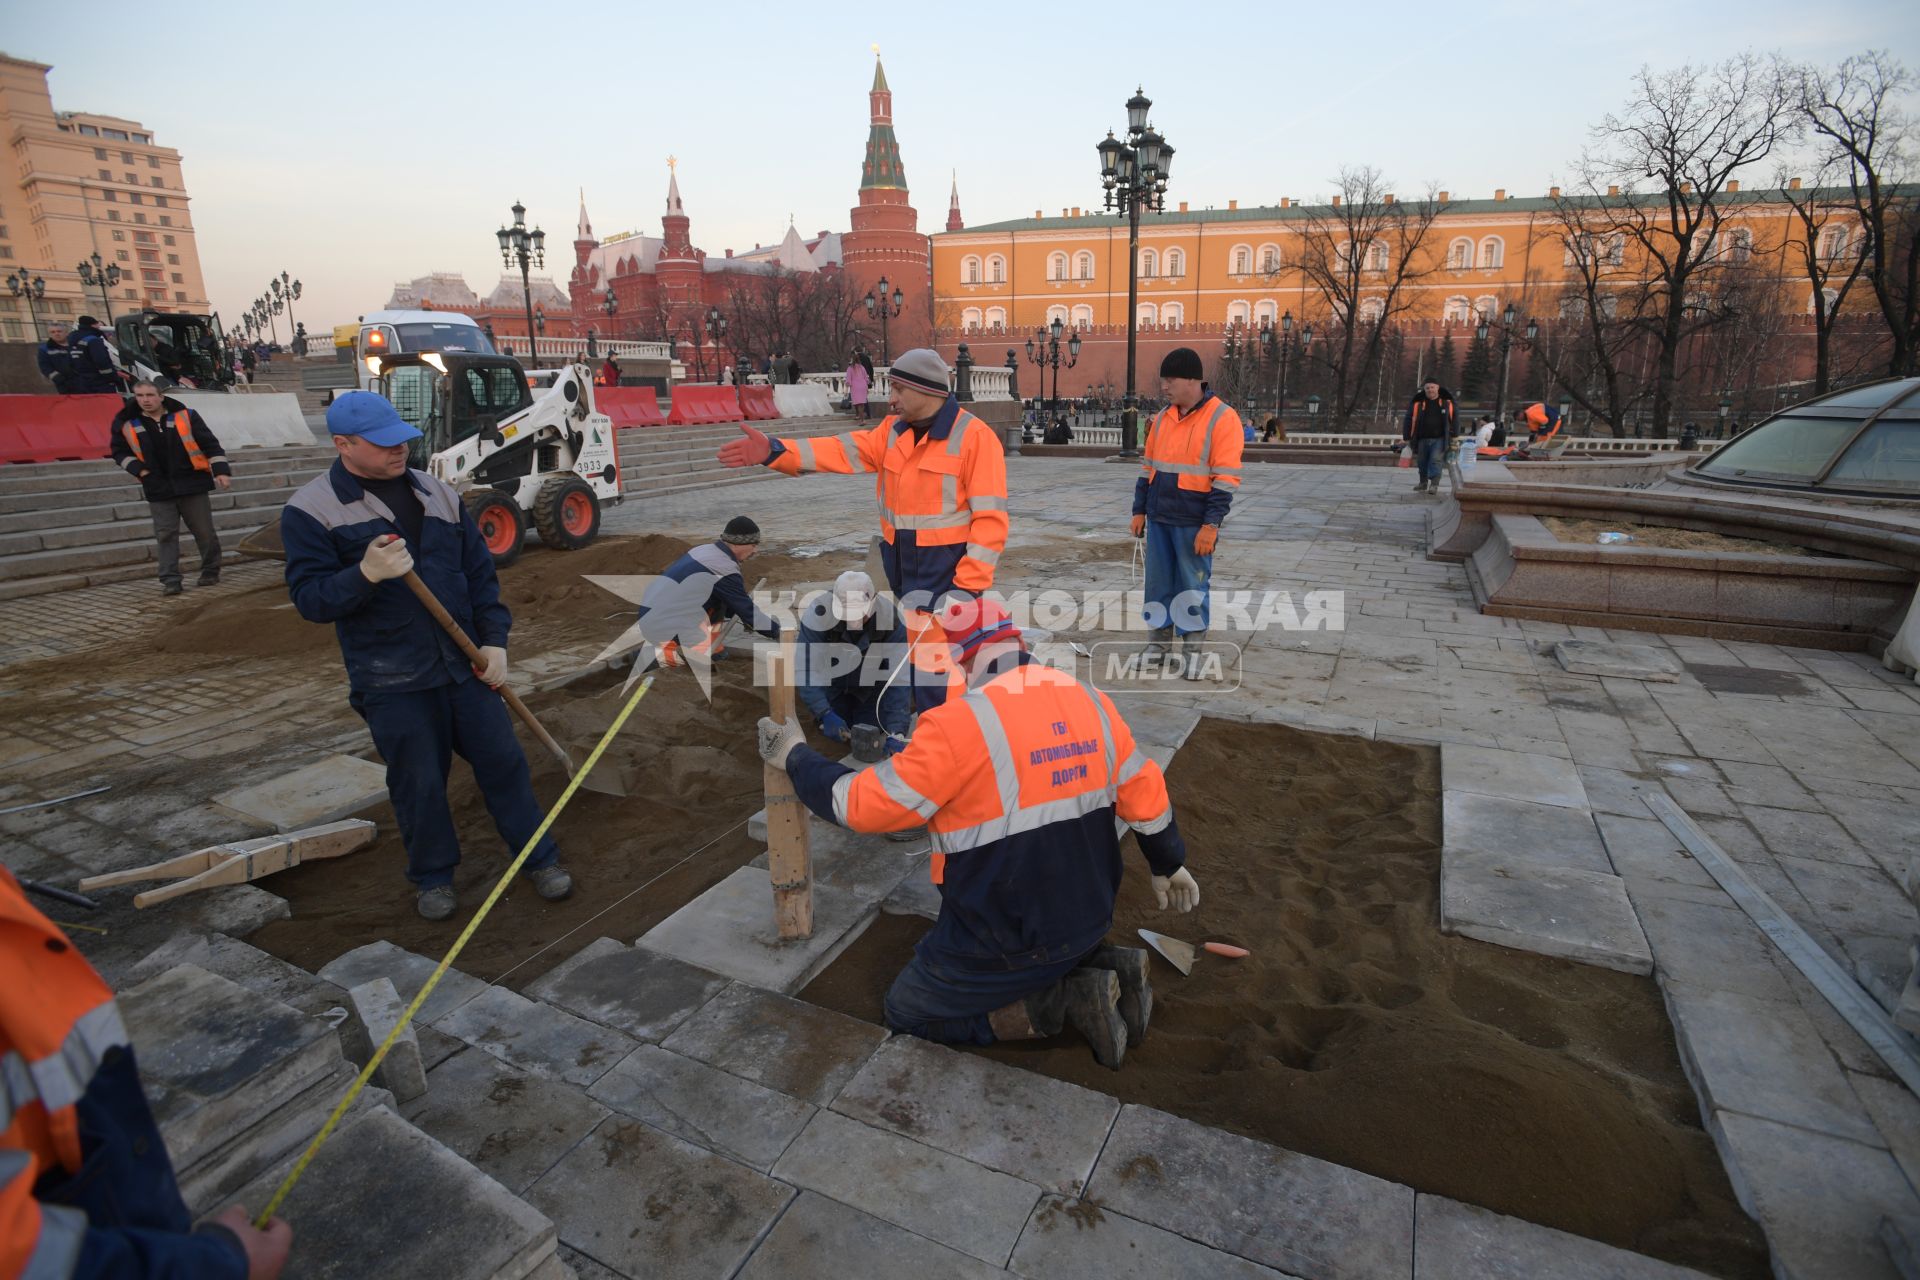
446,961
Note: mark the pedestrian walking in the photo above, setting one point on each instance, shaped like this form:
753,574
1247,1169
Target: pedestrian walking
1427,428
793,371
55,358
249,362
858,383
178,462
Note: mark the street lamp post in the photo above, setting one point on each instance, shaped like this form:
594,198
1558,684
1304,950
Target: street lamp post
1283,346
287,291
1726,406
1048,353
886,308
32,289
104,274
610,305
529,250
1507,319
716,326
1134,175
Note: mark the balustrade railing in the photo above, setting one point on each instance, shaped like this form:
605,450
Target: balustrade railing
515,344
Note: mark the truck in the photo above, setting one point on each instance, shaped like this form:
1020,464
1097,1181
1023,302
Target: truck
174,349
392,333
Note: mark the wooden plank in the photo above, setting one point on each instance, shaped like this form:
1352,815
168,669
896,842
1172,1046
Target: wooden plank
789,840
241,861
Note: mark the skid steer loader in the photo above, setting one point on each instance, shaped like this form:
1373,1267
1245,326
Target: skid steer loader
516,458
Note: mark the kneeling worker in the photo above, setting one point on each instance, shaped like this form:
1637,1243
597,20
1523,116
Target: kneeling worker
352,536
683,610
1019,782
834,680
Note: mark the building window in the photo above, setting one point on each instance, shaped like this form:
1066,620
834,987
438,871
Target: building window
1371,309
153,162
1827,300
1239,313
119,235
179,297
1173,315
970,270
117,134
143,237
177,278
166,221
1056,313
1145,316
1376,257
126,157
154,181
89,131
169,239
112,197
113,215
1083,266
6,252
996,269
1083,317
1457,310
139,217
1057,266
1149,264
151,277
173,259
100,153
106,175
1242,260
1834,242
134,197
1269,259
1493,253
970,319
997,319
149,255
1266,312
1485,306
1176,263
1460,255
122,254
1741,247
131,179
143,137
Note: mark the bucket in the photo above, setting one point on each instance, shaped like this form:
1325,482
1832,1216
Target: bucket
869,743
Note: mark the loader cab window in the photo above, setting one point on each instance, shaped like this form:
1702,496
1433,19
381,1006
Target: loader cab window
492,392
414,392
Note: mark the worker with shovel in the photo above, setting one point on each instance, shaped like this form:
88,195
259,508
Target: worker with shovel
352,536
1019,781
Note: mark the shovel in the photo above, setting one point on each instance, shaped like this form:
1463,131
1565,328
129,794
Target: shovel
1181,954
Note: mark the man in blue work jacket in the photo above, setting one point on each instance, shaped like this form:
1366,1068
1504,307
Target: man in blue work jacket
683,611
352,536
836,682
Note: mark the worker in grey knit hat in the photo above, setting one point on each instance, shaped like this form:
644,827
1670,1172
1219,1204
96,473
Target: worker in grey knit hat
940,475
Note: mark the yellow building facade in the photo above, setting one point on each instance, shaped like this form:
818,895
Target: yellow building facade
74,183
1207,269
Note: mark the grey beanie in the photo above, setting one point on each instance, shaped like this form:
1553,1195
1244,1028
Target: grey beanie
923,370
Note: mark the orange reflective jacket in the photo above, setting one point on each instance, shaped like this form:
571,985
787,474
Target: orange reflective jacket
183,425
1192,465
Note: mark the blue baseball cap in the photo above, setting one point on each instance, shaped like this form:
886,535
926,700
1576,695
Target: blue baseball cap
369,416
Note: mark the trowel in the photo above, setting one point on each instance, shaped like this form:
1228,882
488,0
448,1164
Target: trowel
1181,954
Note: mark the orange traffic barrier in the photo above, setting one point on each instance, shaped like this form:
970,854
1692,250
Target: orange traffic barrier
758,403
56,428
701,403
630,406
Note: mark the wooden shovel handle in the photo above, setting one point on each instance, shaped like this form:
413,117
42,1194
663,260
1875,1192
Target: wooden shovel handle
440,615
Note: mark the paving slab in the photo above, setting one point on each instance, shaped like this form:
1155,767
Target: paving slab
267,974
637,992
1614,790
1552,911
374,1010
537,1037
941,1196
1853,899
1464,1242
429,1213
1623,661
1819,1199
785,1044
1288,1211
329,789
867,865
215,1057
644,1203
508,1123
1643,849
1039,1129
915,895
208,1185
822,1239
1532,835
1710,944
1083,1240
1515,775
1804,834
704,1105
409,973
1763,1058
730,930
1896,1115
1157,721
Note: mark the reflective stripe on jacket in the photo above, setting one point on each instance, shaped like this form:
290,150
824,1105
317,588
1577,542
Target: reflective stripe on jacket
1020,782
182,425
1192,466
942,496
86,1189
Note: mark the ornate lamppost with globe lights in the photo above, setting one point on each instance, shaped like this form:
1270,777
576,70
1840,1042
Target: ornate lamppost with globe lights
885,308
1048,354
104,275
33,289
528,249
1507,319
1134,175
1283,344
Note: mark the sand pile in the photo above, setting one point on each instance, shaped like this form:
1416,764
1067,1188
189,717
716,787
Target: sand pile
1358,1033
1655,535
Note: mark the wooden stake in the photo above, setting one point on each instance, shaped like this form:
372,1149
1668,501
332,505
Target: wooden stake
241,861
789,841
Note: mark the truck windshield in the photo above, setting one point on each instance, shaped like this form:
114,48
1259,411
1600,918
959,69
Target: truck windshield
443,337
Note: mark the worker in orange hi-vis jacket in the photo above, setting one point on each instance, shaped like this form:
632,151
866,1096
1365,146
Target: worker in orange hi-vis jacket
940,475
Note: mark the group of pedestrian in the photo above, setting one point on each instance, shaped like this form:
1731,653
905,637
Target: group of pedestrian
1428,431
78,361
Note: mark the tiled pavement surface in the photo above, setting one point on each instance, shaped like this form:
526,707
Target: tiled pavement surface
1812,785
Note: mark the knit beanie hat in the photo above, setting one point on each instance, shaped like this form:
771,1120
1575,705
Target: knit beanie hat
741,532
923,370
973,622
1182,362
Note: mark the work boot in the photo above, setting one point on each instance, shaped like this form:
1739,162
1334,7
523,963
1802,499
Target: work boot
171,589
1136,992
1088,1000
1191,651
1159,642
552,883
1422,486
437,903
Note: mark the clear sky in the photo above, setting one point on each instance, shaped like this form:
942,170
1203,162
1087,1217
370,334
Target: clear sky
356,144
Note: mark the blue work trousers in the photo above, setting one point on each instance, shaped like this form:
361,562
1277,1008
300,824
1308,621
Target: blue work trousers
1429,456
418,734
1176,587
949,1005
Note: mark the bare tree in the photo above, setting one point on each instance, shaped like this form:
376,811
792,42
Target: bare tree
1654,183
807,314
1588,353
1825,246
1361,254
1853,112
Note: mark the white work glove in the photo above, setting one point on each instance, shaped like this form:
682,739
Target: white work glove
1179,890
777,740
494,674
386,557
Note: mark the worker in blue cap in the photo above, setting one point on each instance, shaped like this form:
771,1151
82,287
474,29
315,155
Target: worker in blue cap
352,536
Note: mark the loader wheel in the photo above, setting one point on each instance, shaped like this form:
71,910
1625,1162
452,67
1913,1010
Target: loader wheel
567,513
502,527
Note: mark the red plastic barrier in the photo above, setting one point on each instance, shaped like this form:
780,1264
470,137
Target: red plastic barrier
699,404
758,402
56,428
630,406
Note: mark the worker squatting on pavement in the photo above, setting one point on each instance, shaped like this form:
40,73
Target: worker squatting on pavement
1018,780
1186,487
940,475
836,679
683,611
352,537
86,1189
178,462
